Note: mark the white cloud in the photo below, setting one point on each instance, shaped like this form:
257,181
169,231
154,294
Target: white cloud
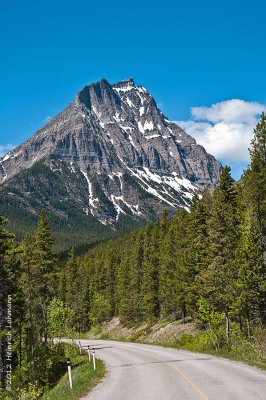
5,149
225,129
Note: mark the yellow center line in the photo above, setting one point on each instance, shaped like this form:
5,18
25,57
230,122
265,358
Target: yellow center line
184,376
195,387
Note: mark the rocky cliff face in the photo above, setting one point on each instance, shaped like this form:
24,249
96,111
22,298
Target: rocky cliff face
112,152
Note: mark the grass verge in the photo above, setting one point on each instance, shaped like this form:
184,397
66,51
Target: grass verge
84,380
245,352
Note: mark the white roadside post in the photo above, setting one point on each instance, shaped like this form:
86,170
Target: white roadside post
89,353
93,358
69,374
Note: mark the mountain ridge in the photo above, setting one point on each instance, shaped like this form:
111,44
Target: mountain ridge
115,154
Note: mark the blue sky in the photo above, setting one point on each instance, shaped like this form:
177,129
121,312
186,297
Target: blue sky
187,54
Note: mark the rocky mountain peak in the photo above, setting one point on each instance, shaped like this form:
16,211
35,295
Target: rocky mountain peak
125,154
125,84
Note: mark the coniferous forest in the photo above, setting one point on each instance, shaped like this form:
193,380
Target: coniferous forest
206,264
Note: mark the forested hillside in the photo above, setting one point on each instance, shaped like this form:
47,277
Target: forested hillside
207,265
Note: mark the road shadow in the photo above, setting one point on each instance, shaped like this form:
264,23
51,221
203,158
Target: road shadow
158,362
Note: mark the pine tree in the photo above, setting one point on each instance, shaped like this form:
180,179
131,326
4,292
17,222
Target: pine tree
218,280
200,216
70,273
255,196
128,288
256,180
150,285
30,320
185,266
167,273
7,286
250,281
44,269
37,283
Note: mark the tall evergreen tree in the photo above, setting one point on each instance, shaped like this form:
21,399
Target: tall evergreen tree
44,268
7,286
250,281
218,279
37,282
150,285
256,180
255,197
200,215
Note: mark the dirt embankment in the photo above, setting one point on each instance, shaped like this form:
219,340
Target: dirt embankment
160,332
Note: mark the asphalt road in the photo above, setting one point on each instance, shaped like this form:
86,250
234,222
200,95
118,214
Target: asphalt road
144,372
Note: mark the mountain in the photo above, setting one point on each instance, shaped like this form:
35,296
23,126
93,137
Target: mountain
110,161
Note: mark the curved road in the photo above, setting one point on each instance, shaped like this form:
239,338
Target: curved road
145,372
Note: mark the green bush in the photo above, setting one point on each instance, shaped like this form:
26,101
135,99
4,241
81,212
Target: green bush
61,319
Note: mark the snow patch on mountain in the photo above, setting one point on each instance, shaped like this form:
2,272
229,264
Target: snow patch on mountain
91,199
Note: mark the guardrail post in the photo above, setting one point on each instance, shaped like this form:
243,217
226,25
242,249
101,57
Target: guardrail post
93,358
89,353
69,374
